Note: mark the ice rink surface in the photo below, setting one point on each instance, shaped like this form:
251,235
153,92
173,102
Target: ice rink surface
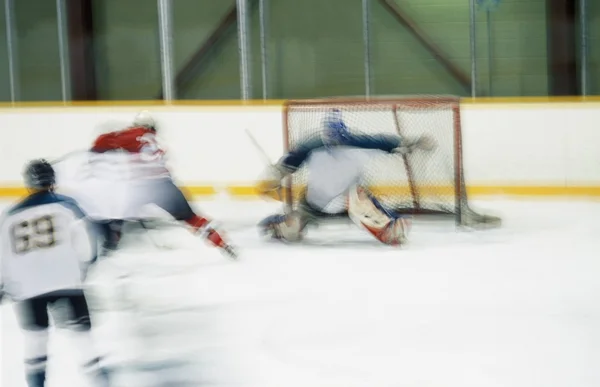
514,307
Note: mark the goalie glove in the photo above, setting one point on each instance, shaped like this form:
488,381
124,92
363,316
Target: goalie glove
409,145
270,185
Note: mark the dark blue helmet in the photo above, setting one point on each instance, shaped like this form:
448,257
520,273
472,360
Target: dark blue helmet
39,174
335,131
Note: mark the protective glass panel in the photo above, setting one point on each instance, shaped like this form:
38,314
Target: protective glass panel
511,48
4,59
127,49
37,50
205,47
421,47
593,60
315,48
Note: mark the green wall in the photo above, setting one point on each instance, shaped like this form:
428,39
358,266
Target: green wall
38,61
315,48
4,72
594,47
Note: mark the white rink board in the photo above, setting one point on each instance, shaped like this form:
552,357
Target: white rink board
554,144
545,144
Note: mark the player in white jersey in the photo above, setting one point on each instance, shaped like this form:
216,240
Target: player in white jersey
46,248
128,171
335,163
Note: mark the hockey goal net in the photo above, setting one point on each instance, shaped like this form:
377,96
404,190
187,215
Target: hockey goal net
422,182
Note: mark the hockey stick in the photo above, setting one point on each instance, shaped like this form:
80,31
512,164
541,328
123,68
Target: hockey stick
265,158
83,169
259,148
67,156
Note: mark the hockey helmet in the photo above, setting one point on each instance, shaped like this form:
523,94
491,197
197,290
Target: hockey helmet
335,130
39,174
145,119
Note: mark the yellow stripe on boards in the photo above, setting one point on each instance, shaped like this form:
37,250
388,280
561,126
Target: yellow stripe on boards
241,191
12,192
202,190
592,191
432,192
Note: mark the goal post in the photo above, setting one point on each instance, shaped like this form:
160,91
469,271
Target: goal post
422,182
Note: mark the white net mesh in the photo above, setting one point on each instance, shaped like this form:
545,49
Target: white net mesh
423,181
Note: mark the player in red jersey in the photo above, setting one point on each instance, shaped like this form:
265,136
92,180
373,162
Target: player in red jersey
135,154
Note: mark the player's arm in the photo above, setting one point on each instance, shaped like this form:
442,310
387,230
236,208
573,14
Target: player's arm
294,159
393,144
287,165
84,234
132,140
1,280
385,143
3,256
105,142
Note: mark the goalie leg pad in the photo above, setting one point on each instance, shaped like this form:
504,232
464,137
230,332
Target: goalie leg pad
367,212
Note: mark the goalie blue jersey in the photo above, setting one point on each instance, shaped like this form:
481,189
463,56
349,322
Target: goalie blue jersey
333,169
297,157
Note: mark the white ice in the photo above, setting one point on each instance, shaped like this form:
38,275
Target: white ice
513,307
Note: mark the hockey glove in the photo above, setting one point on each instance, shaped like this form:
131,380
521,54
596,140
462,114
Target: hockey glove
270,185
409,145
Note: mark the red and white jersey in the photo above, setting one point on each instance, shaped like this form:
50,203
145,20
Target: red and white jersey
132,153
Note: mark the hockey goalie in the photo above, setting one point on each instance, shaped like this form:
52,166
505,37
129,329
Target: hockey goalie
335,161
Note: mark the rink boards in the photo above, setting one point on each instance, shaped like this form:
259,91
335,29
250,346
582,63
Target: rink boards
536,147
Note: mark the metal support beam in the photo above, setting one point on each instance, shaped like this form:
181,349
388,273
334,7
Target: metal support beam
263,14
473,43
81,52
165,29
583,22
11,44
490,44
243,22
194,65
366,26
63,49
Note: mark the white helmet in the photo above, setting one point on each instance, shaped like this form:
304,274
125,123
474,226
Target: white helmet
144,118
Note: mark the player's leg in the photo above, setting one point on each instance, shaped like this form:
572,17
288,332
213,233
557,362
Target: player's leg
366,211
32,315
110,232
361,206
80,325
170,198
321,201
